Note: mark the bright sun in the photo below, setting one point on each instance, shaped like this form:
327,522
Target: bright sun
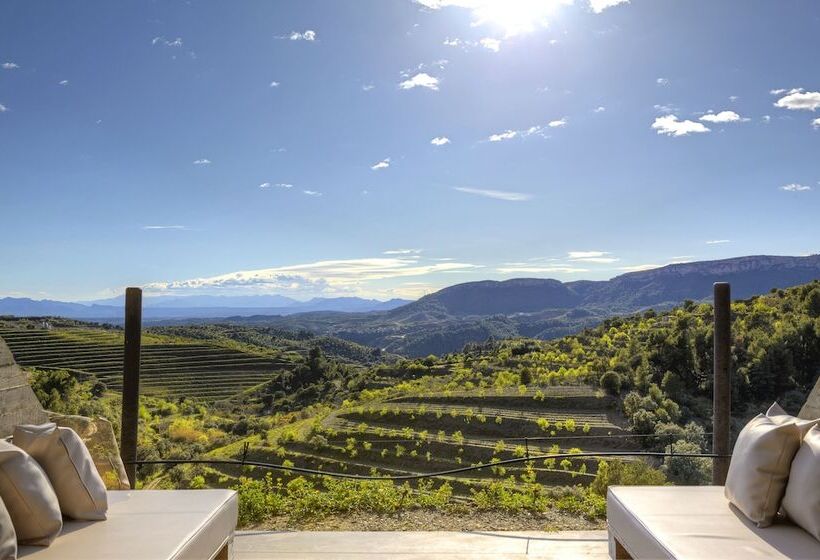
514,16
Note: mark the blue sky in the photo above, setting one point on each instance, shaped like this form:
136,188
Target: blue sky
391,147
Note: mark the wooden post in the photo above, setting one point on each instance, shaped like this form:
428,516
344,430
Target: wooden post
721,387
131,382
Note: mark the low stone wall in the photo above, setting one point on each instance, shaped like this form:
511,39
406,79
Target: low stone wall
18,405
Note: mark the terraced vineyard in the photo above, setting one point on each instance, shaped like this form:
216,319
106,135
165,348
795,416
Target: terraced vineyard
171,366
423,433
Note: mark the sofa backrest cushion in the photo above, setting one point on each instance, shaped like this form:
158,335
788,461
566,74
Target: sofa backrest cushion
8,538
760,467
802,500
69,466
29,497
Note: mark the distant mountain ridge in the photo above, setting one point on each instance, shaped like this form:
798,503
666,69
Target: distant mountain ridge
190,307
444,321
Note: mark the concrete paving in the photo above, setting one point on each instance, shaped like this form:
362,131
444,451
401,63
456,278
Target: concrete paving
422,545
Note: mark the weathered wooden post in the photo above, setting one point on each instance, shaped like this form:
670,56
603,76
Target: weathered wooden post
131,382
721,387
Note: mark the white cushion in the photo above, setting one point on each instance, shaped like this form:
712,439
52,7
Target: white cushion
760,466
802,500
149,524
29,497
8,538
69,466
696,523
780,416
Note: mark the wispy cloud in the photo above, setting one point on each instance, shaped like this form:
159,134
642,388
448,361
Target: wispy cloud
526,132
166,42
383,164
798,100
816,123
670,125
599,109
403,252
63,82
3,108
599,6
559,123
440,141
491,44
307,35
718,241
312,193
275,84
322,277
9,66
520,268
598,257
203,161
499,195
795,187
640,267
666,109
177,227
422,79
662,81
368,87
267,185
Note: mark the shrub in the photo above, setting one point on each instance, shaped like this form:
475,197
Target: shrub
611,382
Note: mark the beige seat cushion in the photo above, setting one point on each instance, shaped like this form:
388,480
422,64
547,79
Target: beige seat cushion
8,538
149,524
69,466
760,466
802,500
29,497
697,523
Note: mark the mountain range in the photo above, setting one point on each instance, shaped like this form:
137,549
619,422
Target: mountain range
189,307
448,319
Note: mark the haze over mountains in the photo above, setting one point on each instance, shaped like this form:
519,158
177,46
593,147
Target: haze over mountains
471,312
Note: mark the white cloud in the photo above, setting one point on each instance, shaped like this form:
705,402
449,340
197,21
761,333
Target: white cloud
523,133
816,123
766,119
718,241
9,66
598,257
662,81
440,141
639,267
795,187
671,126
347,276
267,185
498,195
163,41
516,268
312,193
164,227
491,44
274,84
599,109
383,164
733,98
307,35
3,108
666,109
368,87
799,100
599,6
452,42
403,252
422,79
723,117
63,82
203,161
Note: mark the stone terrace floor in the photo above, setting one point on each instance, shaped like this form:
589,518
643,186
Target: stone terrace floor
423,545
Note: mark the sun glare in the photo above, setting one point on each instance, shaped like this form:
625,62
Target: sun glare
515,16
